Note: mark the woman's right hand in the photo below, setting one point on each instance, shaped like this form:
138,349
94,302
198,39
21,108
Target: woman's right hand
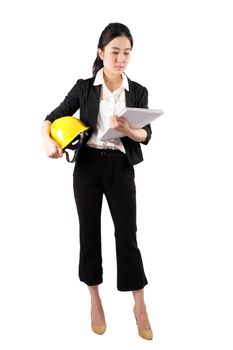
52,149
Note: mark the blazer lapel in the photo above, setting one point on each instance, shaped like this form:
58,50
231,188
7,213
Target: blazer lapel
93,105
130,95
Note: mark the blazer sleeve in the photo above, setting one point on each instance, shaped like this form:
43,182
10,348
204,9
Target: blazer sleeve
143,103
69,105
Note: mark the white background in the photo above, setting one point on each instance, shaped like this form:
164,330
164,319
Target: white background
183,55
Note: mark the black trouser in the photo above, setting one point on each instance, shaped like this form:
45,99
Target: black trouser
107,172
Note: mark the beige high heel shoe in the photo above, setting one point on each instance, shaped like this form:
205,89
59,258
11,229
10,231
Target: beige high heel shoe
144,333
98,329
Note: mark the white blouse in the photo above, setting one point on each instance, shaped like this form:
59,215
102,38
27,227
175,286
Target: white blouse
110,103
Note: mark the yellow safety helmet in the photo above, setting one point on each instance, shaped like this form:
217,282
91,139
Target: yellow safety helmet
69,133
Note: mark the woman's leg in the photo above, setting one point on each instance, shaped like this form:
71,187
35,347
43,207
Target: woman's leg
88,197
120,192
97,312
88,194
140,310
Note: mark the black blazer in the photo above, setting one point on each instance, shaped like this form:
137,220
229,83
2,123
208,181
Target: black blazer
85,96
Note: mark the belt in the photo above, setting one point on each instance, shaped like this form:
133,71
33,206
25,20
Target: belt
104,151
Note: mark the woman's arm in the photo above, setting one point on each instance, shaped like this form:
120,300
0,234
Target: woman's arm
52,149
69,106
138,135
121,124
143,103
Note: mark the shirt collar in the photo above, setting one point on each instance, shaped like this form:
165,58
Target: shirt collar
99,79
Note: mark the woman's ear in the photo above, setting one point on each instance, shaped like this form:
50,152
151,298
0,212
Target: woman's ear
100,53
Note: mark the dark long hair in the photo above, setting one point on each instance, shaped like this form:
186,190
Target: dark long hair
109,33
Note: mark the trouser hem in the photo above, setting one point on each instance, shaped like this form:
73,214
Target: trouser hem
91,283
130,289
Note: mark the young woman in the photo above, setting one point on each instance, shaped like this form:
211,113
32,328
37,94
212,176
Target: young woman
107,168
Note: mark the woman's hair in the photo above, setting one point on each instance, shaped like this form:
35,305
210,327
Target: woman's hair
112,31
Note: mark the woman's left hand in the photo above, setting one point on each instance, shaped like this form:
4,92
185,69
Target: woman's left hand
119,124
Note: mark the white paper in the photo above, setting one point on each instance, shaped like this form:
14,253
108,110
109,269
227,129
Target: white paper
136,117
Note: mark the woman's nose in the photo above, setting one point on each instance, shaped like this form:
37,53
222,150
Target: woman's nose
120,57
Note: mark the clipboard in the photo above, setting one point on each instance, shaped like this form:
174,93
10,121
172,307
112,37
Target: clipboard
136,117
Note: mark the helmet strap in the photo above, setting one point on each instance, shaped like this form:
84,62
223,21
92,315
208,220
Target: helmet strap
76,147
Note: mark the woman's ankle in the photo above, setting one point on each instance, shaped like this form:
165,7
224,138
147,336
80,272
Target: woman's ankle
94,294
96,302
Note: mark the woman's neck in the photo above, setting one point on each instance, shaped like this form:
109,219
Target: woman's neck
112,81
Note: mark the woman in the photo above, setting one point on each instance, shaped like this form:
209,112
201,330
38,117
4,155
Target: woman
106,167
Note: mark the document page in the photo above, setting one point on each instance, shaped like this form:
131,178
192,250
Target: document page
136,117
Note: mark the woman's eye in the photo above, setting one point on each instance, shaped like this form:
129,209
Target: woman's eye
116,53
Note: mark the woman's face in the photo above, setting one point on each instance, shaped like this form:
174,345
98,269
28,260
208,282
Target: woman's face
116,55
